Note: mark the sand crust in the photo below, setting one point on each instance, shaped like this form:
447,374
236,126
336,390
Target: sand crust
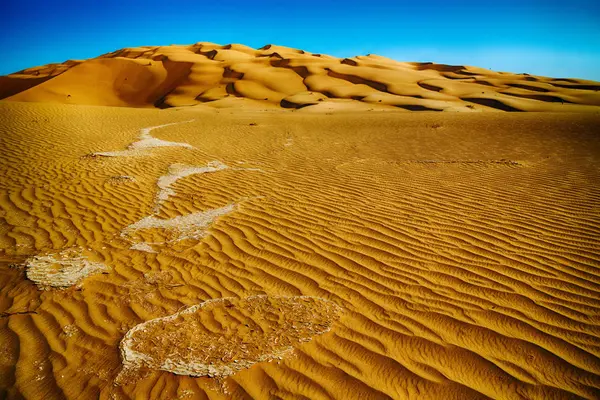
190,226
62,270
254,329
146,141
178,171
142,246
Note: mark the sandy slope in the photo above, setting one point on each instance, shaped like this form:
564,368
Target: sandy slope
235,76
462,248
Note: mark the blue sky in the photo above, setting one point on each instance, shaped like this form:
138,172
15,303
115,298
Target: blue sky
554,38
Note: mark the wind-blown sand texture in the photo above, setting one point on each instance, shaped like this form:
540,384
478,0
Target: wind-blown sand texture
237,76
463,248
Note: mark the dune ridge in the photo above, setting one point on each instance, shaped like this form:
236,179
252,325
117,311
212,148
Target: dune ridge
278,77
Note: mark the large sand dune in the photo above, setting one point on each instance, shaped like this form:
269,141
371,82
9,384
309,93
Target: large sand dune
236,76
444,255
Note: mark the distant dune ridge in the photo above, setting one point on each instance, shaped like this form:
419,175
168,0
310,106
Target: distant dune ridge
237,76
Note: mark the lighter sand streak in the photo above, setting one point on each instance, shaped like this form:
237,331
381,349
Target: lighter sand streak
178,171
146,141
143,246
191,226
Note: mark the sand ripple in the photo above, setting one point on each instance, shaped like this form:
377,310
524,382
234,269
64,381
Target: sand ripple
463,249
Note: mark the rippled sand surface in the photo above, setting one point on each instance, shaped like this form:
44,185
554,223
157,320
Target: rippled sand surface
444,255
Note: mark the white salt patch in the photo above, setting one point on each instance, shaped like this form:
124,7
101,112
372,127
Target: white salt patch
134,360
191,226
143,246
146,141
70,330
154,142
61,270
178,171
247,169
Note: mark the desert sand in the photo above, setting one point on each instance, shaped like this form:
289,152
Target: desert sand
237,76
180,237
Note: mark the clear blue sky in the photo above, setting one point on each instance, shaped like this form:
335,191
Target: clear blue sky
549,37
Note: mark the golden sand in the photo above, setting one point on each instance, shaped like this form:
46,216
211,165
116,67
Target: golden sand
276,77
381,255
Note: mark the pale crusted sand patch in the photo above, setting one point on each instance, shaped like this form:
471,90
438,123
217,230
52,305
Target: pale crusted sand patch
142,246
61,270
248,169
117,153
70,330
146,141
254,329
154,142
178,171
191,226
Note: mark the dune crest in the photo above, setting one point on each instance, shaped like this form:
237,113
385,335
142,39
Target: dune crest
278,77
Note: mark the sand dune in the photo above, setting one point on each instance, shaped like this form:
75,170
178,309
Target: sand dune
206,74
463,248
